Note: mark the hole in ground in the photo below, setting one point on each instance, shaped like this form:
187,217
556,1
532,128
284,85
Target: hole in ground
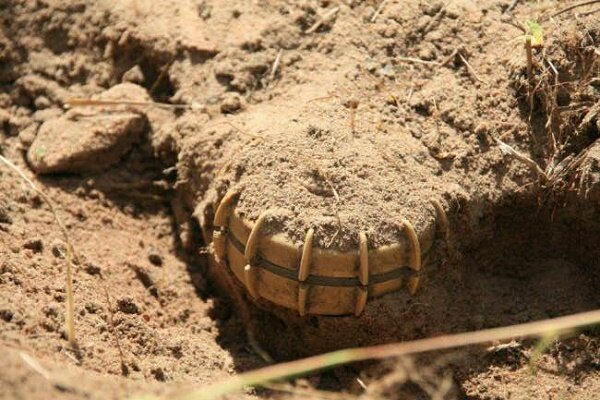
534,267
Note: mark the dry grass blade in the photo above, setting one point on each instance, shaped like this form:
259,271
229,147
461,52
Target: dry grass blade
574,6
512,5
470,69
506,149
556,326
35,365
307,393
325,18
379,10
71,255
275,66
417,61
91,102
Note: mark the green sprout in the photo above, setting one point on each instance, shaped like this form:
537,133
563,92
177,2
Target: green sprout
535,33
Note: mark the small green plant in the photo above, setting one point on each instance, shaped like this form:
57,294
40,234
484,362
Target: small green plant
534,32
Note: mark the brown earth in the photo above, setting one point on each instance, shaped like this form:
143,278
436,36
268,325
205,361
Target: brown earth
347,134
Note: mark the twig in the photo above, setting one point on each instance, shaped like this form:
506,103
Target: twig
574,6
275,65
258,349
514,23
113,328
361,383
35,365
449,58
379,10
91,102
330,14
417,60
506,149
470,69
512,5
585,14
435,18
310,393
71,255
529,54
558,326
44,373
243,132
161,76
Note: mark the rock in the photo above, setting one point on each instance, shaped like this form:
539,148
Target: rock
89,139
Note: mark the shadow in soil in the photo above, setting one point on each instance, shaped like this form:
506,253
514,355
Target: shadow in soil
137,185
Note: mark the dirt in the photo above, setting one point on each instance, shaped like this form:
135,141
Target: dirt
350,134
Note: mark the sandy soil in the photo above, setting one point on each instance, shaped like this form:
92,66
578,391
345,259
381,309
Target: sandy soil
347,111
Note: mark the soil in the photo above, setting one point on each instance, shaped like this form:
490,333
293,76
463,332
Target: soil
369,115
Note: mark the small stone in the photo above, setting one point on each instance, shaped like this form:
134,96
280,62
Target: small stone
36,245
128,306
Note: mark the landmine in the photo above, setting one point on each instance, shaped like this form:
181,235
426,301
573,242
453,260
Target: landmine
313,229
312,280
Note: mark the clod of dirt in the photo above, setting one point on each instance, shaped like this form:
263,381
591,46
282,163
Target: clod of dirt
232,102
590,173
134,75
6,315
5,217
128,306
36,245
92,269
89,140
27,135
